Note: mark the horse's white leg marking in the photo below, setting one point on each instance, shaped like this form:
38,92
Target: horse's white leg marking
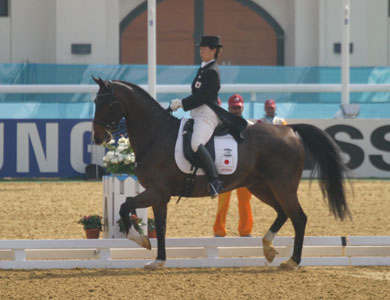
269,236
154,265
140,239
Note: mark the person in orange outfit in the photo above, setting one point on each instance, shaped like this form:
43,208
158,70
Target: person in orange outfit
245,223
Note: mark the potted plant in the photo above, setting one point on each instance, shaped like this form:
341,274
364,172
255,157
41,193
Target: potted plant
151,228
120,158
92,226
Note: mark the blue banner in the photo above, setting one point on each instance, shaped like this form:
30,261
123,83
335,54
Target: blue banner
46,148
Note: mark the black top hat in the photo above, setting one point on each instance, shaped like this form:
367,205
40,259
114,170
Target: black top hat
210,40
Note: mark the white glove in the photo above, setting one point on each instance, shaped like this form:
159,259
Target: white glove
175,104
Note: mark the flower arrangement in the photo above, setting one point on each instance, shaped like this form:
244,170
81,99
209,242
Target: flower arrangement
89,222
119,158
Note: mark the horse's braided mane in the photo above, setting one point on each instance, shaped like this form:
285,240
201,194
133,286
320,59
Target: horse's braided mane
144,93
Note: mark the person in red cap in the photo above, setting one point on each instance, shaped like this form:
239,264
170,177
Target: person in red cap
245,223
270,117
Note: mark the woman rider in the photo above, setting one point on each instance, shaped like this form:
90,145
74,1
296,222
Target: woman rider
207,114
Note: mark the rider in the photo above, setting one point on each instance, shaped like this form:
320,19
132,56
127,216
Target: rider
207,114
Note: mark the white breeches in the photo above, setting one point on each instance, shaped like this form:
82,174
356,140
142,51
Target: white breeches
205,121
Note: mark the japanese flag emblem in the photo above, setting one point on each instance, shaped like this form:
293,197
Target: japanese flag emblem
198,84
227,162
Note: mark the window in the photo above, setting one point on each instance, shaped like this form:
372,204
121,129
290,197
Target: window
3,8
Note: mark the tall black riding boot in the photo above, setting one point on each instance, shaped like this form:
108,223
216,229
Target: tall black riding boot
215,186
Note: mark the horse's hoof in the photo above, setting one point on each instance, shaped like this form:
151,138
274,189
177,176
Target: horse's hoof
141,240
269,250
289,265
154,265
146,242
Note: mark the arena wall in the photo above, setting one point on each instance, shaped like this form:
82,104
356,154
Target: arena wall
63,148
365,144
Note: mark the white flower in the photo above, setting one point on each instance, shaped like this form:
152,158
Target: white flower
122,140
120,157
128,159
110,155
114,161
106,159
121,148
105,165
111,142
132,157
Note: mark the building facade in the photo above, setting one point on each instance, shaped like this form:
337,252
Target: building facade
257,32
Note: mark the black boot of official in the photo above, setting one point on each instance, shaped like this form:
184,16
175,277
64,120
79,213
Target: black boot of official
215,186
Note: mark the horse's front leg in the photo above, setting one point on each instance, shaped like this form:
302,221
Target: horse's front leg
132,228
160,216
159,200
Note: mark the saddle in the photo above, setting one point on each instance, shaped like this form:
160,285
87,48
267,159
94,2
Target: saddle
190,155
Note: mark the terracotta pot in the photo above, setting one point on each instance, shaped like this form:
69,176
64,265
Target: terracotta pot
152,234
92,233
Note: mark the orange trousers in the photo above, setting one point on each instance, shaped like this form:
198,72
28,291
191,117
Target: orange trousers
245,222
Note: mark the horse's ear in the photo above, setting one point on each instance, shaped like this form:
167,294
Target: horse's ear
97,80
100,82
103,84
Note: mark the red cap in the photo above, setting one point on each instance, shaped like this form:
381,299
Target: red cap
270,103
236,100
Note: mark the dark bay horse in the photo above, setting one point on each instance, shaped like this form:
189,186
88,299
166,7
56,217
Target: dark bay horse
270,164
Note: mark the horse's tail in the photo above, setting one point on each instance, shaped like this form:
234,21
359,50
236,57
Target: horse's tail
328,162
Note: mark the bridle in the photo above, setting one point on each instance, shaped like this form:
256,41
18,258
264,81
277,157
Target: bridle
113,125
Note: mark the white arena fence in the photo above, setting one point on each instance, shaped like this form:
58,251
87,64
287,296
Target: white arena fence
186,88
192,252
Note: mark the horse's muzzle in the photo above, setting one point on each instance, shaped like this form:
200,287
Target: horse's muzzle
100,134
99,141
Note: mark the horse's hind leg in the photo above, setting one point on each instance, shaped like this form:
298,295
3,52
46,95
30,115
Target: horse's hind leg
264,193
288,200
298,219
268,248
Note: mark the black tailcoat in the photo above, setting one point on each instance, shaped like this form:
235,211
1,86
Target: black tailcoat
205,88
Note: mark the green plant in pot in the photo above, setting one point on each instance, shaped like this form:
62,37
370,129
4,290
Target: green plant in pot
92,225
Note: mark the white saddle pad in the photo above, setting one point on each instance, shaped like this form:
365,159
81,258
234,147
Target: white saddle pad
226,154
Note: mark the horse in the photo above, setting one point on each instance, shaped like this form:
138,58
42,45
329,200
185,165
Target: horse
270,164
